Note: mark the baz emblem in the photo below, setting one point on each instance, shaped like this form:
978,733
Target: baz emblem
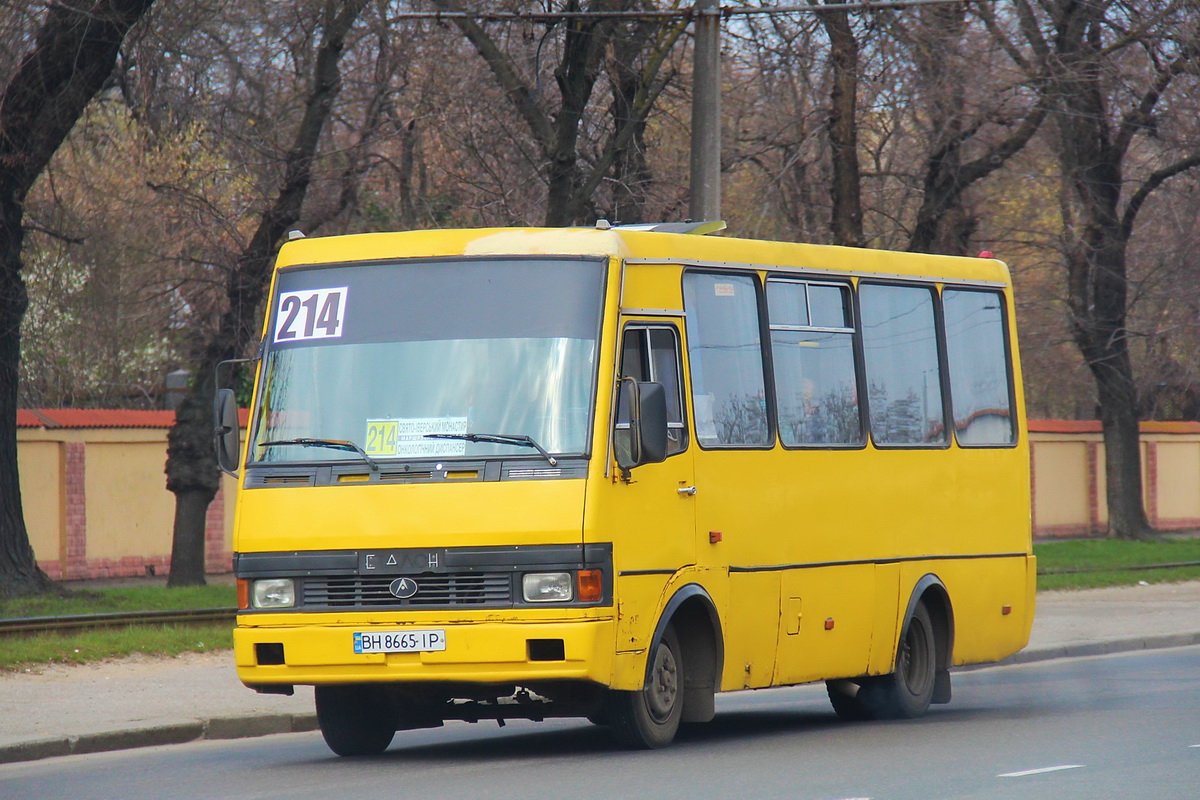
404,588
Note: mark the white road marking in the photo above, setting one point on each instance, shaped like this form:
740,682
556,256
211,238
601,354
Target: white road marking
1040,771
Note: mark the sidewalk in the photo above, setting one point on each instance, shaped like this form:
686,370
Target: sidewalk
138,702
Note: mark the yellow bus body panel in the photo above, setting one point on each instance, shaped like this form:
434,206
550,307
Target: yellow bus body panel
445,514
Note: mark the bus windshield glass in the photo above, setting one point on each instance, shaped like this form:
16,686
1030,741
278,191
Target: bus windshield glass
368,360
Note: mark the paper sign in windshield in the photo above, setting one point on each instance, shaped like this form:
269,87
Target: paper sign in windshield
406,437
310,314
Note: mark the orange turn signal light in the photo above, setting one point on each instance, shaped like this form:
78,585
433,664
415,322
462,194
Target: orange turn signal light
243,593
589,584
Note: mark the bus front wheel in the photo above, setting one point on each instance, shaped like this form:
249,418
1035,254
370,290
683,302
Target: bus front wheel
355,720
649,718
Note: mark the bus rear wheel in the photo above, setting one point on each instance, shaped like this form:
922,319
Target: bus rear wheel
649,718
907,692
849,700
355,720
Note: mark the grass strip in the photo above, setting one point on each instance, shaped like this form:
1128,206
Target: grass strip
117,599
1114,562
27,652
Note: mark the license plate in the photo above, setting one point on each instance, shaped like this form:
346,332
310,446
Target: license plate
399,641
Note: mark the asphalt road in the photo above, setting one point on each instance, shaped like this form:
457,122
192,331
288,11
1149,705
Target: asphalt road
1110,727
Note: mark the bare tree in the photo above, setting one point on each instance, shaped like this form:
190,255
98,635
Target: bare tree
72,57
586,43
1107,71
943,57
846,221
191,465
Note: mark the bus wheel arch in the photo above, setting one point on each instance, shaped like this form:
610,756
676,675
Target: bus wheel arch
931,593
693,615
921,666
921,674
683,665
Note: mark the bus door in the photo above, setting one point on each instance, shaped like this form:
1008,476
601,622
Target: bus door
657,511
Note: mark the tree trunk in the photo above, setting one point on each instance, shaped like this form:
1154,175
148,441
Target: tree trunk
73,55
1122,449
191,510
583,50
842,127
192,473
1097,275
19,572
630,170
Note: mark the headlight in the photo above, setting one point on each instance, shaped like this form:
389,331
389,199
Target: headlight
274,593
547,587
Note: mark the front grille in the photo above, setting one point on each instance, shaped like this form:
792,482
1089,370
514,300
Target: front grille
453,589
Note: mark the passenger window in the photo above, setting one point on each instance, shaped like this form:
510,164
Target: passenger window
652,354
812,350
904,384
729,395
977,355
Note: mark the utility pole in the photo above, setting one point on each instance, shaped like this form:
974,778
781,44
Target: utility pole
705,199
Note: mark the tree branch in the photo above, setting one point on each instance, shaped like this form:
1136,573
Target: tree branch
1149,185
538,121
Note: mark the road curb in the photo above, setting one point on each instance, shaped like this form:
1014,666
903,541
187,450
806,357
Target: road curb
1101,648
254,725
230,727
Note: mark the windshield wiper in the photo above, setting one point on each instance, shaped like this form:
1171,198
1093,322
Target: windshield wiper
336,444
498,438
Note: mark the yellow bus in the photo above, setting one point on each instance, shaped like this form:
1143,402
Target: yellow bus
609,472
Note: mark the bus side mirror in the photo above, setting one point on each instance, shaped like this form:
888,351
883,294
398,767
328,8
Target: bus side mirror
647,433
226,432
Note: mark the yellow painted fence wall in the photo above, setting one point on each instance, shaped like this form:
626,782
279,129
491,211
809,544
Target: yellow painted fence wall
96,503
1068,476
95,498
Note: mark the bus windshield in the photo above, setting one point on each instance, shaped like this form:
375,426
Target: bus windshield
430,359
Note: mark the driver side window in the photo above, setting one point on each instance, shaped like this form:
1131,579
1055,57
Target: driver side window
651,353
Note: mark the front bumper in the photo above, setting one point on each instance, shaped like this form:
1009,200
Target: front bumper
488,651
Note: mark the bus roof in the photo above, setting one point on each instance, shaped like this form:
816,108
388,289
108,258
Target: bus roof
636,245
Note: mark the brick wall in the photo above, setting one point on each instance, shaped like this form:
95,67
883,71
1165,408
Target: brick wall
100,508
1068,477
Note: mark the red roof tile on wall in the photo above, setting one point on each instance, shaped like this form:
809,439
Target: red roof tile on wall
1064,426
99,418
1093,426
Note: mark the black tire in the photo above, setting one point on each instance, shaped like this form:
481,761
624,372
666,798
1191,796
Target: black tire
907,692
849,707
649,719
355,720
